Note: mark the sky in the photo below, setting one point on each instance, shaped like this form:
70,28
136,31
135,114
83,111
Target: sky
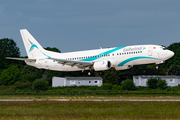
75,25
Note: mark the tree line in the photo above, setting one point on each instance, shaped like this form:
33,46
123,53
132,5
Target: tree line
21,76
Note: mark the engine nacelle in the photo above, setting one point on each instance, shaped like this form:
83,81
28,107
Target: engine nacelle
102,65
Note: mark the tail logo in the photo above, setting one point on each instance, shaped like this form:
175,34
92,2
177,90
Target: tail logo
35,46
32,46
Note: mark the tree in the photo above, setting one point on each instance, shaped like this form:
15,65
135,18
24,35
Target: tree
128,85
112,76
30,73
23,85
54,49
40,84
152,83
151,70
162,84
10,75
175,47
174,70
106,86
8,48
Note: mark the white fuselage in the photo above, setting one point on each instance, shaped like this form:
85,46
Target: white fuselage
119,57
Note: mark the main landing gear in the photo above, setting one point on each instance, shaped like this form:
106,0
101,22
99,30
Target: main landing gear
90,73
157,66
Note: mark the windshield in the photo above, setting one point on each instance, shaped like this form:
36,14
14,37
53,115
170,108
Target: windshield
163,48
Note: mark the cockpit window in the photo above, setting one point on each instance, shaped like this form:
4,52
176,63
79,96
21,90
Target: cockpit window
163,48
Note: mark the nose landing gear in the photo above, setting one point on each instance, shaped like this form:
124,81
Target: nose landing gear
160,62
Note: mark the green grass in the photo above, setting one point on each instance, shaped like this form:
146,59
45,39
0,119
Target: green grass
120,96
89,110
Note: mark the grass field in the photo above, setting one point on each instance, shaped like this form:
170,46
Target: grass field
89,110
123,96
77,110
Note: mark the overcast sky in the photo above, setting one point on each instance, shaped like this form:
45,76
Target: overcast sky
74,25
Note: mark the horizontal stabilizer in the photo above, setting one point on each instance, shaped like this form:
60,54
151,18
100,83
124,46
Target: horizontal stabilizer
24,59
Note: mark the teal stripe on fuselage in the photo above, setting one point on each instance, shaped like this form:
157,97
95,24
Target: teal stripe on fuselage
134,58
46,55
100,55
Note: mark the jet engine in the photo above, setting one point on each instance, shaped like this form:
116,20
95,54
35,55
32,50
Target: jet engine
102,65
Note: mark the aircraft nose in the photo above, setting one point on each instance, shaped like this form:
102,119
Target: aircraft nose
166,54
170,53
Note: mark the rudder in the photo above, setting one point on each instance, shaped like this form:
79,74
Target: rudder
33,48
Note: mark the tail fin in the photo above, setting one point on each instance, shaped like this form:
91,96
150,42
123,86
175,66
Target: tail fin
33,48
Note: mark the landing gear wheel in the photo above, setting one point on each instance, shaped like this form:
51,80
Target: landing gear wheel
157,67
89,73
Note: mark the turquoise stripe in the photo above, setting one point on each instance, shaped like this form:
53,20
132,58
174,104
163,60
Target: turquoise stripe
134,58
33,47
104,53
113,50
46,55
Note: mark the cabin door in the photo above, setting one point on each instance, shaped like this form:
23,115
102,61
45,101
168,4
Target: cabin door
150,51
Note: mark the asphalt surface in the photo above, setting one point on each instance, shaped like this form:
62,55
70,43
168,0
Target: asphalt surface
89,99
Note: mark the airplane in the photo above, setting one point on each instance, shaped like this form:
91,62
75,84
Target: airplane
119,58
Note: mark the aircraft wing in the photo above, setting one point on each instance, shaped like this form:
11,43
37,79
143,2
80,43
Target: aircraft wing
24,59
80,64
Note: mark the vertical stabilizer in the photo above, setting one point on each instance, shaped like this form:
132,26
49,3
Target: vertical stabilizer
33,48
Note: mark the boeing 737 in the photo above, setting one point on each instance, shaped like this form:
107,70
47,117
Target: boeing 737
119,58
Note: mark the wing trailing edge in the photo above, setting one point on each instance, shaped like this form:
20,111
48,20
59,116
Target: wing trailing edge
80,64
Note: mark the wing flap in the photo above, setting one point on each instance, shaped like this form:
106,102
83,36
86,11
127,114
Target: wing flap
80,64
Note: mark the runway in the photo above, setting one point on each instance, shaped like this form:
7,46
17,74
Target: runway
90,100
